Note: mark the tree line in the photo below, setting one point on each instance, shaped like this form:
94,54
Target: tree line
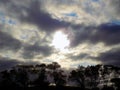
44,75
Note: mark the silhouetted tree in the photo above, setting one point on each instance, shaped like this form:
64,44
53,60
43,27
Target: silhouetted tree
6,82
78,75
41,80
22,78
53,66
13,78
116,81
94,76
107,88
41,66
81,77
59,78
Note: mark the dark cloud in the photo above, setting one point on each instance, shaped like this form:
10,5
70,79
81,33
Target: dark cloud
80,35
6,63
42,19
31,50
4,1
110,57
107,33
34,15
8,42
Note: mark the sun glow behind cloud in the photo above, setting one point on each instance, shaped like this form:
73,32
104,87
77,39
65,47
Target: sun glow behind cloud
60,41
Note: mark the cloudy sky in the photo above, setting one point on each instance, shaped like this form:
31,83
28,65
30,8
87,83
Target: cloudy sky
70,32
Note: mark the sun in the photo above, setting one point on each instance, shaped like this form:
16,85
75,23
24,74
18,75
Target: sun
60,41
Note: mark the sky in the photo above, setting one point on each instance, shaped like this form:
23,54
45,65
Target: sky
70,32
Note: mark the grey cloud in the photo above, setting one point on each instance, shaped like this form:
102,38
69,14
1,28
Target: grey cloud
106,33
109,34
31,50
34,15
6,63
4,1
80,35
63,2
8,42
110,57
42,19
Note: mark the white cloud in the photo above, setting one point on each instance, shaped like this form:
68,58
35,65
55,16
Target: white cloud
88,11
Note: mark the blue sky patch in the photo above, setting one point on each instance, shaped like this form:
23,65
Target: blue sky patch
117,22
72,14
